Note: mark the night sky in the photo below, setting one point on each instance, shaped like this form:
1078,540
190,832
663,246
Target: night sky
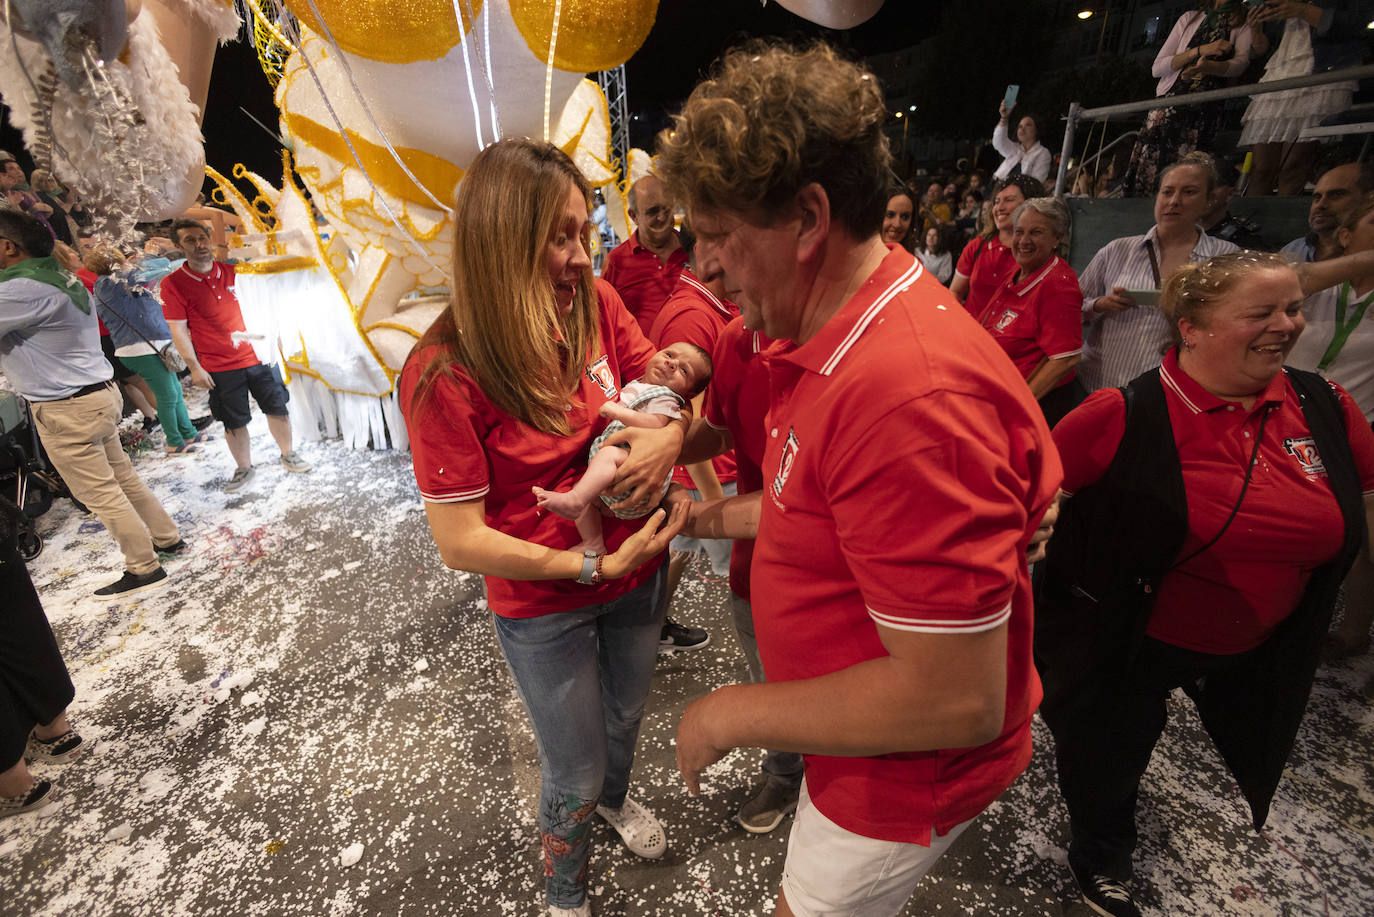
687,36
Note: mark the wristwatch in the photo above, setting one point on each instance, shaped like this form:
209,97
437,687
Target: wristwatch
591,568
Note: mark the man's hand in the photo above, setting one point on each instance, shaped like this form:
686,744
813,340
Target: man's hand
695,749
652,456
650,541
199,377
1035,552
1118,300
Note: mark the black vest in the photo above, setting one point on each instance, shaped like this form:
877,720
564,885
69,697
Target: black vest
1114,543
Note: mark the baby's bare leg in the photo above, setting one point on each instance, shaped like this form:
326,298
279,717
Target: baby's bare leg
601,472
589,529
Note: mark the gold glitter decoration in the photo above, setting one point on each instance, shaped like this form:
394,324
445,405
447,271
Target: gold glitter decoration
273,847
394,31
440,176
592,34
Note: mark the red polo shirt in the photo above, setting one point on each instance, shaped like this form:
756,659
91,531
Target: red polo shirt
737,401
1230,598
463,447
907,467
1039,318
208,306
987,264
693,314
643,281
88,279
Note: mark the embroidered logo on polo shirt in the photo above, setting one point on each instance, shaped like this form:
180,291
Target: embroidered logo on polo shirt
1304,449
1005,319
600,373
785,463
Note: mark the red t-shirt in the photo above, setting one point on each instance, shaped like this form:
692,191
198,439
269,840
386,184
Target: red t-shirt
208,306
693,314
1039,318
463,448
737,400
987,264
643,281
1230,598
88,279
906,469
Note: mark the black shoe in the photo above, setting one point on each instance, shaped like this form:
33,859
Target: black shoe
200,423
179,547
133,582
675,636
150,424
39,795
1105,895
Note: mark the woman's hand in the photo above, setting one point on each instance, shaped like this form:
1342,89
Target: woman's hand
1118,300
649,542
1002,110
1219,48
653,453
1278,10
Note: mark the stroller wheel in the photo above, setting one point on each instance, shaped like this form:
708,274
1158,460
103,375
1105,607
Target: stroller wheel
29,544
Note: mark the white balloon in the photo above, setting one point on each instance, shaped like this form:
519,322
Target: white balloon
834,14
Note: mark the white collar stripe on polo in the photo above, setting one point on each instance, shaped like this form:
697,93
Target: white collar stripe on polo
708,294
1174,387
1039,277
860,326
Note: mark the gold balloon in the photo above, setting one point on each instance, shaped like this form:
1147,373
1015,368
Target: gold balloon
394,31
592,34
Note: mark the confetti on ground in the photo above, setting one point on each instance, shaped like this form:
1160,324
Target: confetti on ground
266,710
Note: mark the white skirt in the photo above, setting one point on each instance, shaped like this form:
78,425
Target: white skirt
1280,117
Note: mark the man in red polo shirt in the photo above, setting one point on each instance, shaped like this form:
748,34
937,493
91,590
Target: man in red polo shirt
905,472
695,313
207,327
645,267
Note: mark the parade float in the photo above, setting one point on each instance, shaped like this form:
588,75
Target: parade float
342,257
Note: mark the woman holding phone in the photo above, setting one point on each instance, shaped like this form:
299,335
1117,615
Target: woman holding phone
1025,155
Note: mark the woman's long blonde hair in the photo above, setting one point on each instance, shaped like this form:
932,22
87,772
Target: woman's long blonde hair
503,326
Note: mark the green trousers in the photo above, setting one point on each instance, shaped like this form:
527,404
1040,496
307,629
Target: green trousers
171,406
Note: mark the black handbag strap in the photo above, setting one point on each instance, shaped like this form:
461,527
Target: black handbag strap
101,301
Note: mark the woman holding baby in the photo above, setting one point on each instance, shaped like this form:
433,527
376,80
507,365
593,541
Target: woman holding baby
502,395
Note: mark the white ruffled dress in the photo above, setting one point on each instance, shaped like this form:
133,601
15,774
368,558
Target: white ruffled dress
1279,117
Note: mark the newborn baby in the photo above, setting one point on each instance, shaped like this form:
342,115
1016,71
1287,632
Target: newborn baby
674,376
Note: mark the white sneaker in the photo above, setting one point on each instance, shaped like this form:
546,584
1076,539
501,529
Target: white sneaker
584,910
638,828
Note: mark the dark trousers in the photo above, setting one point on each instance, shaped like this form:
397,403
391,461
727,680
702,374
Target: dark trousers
1102,746
34,684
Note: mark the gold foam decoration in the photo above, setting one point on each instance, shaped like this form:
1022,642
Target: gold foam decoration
393,31
440,176
592,34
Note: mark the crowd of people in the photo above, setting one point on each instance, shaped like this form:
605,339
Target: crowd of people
877,441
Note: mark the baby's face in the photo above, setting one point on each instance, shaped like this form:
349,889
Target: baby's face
679,367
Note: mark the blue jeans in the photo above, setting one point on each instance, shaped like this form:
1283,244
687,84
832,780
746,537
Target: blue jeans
583,676
786,766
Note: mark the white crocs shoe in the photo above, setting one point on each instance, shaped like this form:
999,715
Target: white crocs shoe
583,910
638,828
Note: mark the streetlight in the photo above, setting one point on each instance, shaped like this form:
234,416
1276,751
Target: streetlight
1087,13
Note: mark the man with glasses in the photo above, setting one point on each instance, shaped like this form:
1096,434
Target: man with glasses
645,267
50,352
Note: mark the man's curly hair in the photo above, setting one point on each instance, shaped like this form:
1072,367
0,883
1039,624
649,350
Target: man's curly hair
771,119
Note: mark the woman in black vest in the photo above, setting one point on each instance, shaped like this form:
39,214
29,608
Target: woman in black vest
1215,507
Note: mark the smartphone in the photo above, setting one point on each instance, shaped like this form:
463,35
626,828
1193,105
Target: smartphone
1145,297
1009,99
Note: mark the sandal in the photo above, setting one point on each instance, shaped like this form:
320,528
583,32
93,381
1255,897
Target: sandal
637,827
202,437
183,449
39,795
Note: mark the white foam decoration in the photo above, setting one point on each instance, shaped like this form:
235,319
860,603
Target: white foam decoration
360,421
220,16
350,855
165,145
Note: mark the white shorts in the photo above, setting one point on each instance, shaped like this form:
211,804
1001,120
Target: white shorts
831,871
717,549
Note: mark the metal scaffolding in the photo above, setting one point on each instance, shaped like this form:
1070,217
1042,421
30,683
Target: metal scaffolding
613,85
